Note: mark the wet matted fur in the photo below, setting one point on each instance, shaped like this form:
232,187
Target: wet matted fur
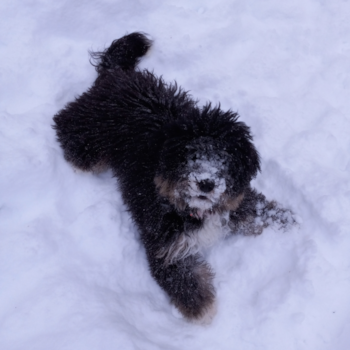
184,170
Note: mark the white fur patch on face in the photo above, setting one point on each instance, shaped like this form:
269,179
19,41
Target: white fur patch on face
199,170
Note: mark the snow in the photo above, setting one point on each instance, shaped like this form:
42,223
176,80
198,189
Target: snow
73,274
205,169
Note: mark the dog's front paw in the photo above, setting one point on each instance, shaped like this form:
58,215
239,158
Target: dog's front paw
258,213
251,226
195,294
203,318
201,311
207,317
274,215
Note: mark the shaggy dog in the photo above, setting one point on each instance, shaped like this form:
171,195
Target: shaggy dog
184,171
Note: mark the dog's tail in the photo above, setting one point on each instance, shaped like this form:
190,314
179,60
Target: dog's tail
124,53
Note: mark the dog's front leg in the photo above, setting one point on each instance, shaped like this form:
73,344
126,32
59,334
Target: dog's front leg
188,282
256,213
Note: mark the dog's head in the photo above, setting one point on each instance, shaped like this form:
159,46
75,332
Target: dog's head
206,162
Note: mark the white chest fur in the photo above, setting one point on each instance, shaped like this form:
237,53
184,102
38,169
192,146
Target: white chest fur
189,243
209,234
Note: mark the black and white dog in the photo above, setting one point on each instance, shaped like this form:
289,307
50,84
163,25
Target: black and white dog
184,170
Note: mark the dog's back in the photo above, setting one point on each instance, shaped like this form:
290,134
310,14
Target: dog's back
123,103
87,126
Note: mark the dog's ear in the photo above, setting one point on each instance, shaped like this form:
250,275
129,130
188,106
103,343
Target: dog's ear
251,160
236,139
245,159
172,157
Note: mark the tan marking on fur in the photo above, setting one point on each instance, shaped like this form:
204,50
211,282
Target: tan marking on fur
207,317
208,307
100,167
180,249
233,203
166,189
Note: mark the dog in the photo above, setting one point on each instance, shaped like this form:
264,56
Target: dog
184,171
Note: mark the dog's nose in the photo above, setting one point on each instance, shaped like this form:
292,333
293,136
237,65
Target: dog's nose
206,185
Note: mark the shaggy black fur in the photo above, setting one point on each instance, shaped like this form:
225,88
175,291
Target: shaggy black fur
180,167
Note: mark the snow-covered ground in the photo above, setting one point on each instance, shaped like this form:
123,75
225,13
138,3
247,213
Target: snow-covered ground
73,274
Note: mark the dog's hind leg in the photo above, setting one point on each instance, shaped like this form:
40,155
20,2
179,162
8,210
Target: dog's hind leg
88,128
79,136
188,282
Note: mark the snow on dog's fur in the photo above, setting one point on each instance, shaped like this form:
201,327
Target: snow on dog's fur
184,170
